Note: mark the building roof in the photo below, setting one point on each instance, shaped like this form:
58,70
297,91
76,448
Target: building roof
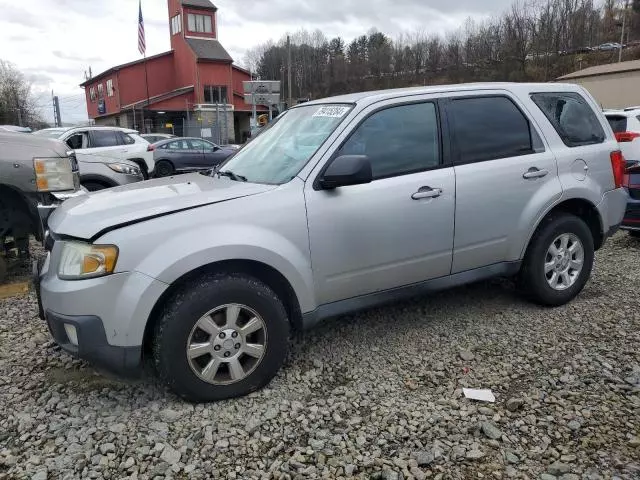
119,67
604,70
205,4
208,49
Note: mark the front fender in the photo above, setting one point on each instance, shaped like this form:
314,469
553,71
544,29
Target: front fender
234,242
188,250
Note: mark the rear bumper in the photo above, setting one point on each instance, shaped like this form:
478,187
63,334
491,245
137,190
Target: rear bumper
611,209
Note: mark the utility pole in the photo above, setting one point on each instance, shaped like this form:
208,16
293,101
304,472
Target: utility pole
290,101
624,22
57,120
19,110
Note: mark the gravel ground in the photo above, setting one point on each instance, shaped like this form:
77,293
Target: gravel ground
374,395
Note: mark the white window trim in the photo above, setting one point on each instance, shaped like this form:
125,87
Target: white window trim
198,21
176,24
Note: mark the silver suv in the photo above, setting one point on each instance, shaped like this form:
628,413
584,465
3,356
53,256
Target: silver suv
339,205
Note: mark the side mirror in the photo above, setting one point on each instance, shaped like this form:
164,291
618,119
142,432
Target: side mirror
347,170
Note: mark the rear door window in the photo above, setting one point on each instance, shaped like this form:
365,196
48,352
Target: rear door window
104,138
488,128
571,116
126,139
178,145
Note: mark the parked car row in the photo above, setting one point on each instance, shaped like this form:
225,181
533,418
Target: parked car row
112,156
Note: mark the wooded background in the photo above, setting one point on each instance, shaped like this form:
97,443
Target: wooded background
533,41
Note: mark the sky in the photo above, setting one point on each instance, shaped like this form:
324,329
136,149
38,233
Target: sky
53,42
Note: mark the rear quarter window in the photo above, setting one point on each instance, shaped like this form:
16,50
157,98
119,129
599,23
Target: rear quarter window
571,116
618,123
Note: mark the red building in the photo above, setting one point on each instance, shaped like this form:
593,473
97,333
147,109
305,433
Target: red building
193,89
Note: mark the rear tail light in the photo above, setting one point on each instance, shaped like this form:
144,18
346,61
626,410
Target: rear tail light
624,137
618,165
151,148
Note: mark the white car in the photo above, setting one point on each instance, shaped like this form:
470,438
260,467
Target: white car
108,143
626,127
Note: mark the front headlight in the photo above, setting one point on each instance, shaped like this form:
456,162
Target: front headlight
124,168
83,260
54,174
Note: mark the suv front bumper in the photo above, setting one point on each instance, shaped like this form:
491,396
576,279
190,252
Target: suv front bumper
101,320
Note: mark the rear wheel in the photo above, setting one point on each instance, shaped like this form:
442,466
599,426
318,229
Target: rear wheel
222,336
164,168
558,261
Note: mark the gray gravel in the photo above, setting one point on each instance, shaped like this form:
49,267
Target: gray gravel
375,395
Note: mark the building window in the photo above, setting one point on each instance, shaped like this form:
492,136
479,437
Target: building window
176,24
200,23
110,90
92,94
215,94
100,91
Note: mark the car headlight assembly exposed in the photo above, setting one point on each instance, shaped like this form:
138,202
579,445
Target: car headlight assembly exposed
54,174
123,168
83,260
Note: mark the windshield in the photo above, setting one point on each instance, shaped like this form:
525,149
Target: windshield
284,148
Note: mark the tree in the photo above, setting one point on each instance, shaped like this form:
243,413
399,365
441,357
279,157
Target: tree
17,105
535,40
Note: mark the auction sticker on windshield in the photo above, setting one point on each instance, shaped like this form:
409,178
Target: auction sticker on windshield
332,111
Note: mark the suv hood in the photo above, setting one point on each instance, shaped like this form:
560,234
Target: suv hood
90,215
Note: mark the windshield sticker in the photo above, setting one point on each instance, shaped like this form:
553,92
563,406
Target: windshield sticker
332,111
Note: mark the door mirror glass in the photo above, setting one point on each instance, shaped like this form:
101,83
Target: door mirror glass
347,170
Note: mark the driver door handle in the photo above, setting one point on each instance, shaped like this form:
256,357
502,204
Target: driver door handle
534,172
426,192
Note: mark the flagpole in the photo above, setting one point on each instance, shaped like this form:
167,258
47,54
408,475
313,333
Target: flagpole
142,47
146,81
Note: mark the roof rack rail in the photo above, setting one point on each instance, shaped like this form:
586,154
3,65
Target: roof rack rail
628,109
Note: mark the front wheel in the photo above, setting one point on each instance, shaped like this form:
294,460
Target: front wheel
222,336
558,261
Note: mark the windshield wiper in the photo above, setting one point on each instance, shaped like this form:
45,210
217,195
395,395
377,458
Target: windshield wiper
233,176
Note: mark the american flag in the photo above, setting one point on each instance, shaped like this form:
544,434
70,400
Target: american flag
142,45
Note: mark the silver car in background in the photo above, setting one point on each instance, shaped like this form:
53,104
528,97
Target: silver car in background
341,204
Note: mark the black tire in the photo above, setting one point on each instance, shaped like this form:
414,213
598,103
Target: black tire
182,312
94,186
164,168
634,233
532,279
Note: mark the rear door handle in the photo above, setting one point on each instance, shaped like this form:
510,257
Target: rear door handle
534,172
427,192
